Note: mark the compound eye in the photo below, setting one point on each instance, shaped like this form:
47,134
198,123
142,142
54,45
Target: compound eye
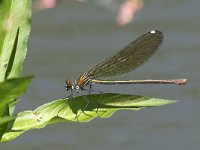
68,85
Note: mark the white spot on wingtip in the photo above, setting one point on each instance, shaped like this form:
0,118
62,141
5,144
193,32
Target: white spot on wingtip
152,31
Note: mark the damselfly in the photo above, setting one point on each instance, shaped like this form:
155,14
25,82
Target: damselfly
126,60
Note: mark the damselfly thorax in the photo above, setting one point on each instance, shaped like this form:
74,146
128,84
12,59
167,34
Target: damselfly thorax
78,85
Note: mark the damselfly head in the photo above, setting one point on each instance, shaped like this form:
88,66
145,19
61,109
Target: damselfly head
68,85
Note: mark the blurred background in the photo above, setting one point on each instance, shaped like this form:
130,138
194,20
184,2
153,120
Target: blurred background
69,37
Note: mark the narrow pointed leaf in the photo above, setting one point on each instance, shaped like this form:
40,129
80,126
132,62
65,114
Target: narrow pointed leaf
14,15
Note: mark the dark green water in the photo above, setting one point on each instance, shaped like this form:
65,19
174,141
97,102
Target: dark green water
69,39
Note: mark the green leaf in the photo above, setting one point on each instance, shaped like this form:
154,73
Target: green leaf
10,90
6,119
14,15
64,110
14,31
